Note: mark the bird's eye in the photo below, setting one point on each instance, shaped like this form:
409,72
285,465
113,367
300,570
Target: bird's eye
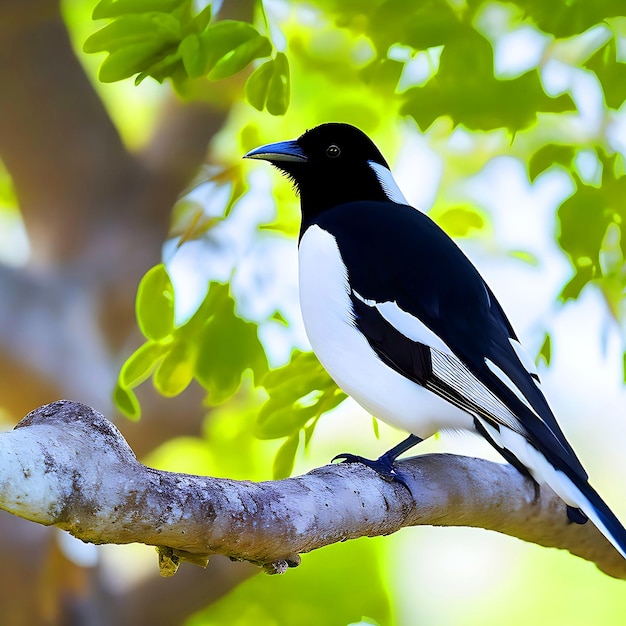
333,151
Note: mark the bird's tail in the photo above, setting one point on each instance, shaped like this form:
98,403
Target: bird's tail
581,494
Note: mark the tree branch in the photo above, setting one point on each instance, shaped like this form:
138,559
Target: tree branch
68,466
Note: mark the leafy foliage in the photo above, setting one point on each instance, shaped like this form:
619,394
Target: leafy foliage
466,62
214,346
299,393
165,39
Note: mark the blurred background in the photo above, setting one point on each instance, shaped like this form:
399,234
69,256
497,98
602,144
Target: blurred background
120,148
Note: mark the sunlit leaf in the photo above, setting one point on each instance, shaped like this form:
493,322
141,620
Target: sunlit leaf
299,393
279,88
275,422
176,370
258,83
547,156
129,60
126,401
612,74
116,8
202,19
375,427
525,256
582,277
222,38
545,352
161,69
141,363
156,29
285,457
460,221
277,316
235,60
154,305
564,19
193,58
228,346
583,221
383,73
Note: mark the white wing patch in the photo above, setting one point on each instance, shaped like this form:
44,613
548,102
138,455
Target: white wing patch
448,368
509,383
387,182
410,326
452,371
525,359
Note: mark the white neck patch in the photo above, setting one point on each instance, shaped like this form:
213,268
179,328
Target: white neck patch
387,182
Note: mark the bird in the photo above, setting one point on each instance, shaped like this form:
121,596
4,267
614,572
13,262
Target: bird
405,324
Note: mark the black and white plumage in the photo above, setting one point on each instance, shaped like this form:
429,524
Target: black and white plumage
405,324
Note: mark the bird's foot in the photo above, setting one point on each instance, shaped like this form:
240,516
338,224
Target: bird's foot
384,466
576,516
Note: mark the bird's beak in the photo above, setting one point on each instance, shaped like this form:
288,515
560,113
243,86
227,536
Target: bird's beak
280,151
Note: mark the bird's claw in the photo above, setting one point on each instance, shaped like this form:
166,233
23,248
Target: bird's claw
383,466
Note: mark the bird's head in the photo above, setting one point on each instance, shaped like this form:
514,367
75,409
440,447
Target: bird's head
332,164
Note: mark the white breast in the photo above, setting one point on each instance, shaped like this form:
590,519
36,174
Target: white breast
348,357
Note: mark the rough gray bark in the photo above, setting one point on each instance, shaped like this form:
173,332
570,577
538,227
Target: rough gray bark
68,466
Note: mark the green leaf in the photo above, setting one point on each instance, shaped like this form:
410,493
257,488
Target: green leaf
220,38
157,29
279,89
299,393
116,8
129,60
583,221
277,316
525,256
176,370
203,19
258,84
375,427
276,420
192,55
612,74
141,363
228,346
299,377
235,60
154,305
547,156
573,288
126,401
545,352
162,69
286,457
563,19
382,74
460,221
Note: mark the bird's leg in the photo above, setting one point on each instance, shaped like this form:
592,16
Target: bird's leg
384,465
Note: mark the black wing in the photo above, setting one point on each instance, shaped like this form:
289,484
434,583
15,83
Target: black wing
394,253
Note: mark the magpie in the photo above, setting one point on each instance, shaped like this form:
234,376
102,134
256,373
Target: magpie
404,323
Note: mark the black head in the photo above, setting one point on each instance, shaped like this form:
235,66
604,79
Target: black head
332,164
